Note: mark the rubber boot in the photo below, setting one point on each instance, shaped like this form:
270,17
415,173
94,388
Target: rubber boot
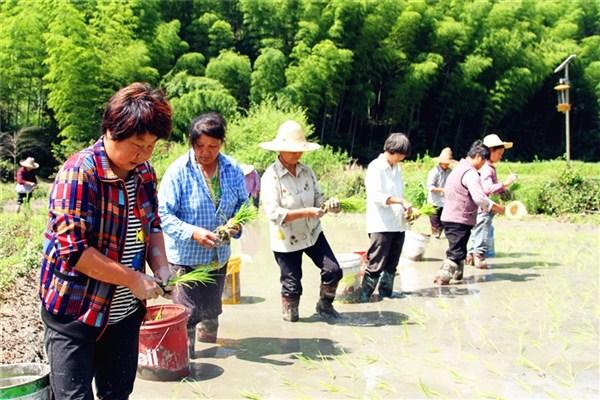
458,274
289,308
191,333
325,303
446,272
207,330
386,284
367,288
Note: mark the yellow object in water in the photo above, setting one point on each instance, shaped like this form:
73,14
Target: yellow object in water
231,289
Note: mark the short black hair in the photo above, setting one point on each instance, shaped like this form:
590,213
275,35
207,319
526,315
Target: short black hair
479,149
397,143
210,124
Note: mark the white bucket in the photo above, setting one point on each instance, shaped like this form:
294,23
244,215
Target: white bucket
348,287
414,245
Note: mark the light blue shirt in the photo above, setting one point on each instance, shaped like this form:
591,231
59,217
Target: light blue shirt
185,204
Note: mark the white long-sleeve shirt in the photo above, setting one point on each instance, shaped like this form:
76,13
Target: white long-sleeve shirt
383,181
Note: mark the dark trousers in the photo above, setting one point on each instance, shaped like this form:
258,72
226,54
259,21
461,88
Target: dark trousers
458,237
290,265
23,197
384,253
111,361
436,219
201,301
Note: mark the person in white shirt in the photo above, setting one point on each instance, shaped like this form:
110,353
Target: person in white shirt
387,210
294,204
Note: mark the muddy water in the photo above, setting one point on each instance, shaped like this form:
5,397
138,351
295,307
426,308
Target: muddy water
527,328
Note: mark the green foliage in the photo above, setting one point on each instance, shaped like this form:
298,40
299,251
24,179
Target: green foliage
191,96
167,46
233,71
20,245
268,76
192,63
570,193
7,171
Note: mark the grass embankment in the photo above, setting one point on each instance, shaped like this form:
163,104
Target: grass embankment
20,244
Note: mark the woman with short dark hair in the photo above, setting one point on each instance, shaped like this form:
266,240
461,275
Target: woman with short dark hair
103,227
464,194
387,210
201,190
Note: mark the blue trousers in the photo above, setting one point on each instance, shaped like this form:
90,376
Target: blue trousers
482,235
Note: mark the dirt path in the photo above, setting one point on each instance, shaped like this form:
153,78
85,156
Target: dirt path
21,330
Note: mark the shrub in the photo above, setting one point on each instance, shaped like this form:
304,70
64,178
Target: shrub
7,171
570,193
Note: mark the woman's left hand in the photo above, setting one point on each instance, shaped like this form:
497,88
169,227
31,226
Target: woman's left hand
163,275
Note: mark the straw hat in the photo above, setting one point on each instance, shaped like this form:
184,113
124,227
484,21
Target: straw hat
445,157
515,210
494,140
29,162
290,137
246,168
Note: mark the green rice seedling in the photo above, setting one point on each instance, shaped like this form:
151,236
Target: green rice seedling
458,378
251,395
384,386
524,361
371,359
523,384
158,315
427,391
201,274
331,388
247,213
307,363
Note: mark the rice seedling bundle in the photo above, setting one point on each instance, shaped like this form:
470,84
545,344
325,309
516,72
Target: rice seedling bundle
246,213
201,274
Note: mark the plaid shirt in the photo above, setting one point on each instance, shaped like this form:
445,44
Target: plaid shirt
88,208
185,204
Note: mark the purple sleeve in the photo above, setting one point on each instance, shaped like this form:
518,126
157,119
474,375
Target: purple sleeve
472,182
489,181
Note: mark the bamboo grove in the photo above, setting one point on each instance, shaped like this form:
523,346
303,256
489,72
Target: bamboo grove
446,72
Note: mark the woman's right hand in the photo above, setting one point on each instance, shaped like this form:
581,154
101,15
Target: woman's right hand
314,212
145,287
205,238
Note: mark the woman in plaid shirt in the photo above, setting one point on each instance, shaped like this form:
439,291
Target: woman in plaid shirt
102,228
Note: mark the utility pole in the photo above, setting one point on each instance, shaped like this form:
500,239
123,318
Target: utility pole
564,104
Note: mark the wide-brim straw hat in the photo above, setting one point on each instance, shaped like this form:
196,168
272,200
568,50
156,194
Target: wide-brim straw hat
494,140
290,137
246,168
29,162
515,210
445,157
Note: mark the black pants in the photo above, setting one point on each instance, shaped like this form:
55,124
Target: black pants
384,253
201,301
435,219
111,361
458,236
23,197
290,265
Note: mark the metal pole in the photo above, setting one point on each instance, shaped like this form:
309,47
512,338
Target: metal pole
568,135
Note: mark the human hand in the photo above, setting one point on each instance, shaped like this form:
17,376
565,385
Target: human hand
232,228
333,205
314,212
145,287
498,209
205,238
511,179
163,275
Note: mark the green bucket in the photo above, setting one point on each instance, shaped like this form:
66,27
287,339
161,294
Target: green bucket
26,381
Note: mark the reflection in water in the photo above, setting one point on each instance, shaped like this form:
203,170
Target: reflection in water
203,371
259,349
365,318
442,291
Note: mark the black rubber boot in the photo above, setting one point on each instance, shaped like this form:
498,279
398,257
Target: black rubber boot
207,330
386,284
191,333
367,288
458,274
325,304
289,308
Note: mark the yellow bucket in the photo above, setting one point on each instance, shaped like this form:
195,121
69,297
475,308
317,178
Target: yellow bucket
231,289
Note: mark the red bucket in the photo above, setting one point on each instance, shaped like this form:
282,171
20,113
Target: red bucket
163,348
